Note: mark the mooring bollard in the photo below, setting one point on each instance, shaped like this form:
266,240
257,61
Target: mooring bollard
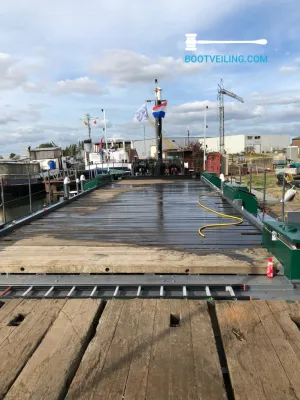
66,187
77,185
82,179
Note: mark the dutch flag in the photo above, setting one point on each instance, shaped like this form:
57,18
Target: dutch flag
159,111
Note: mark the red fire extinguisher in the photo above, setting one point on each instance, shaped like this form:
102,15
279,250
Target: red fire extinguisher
270,268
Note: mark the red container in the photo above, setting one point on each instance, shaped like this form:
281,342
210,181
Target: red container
213,163
270,268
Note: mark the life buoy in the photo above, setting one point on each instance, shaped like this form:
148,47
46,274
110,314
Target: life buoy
4,183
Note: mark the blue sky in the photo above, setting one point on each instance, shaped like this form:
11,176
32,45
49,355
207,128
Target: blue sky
64,59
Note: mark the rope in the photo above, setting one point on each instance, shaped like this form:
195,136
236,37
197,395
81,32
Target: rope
238,222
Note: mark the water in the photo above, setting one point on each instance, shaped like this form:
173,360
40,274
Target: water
19,207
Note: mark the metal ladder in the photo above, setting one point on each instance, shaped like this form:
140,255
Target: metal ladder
147,286
121,291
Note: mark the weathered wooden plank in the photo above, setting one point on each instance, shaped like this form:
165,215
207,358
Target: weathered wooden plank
46,257
288,358
112,382
136,385
182,383
8,308
208,374
84,384
158,384
288,316
255,369
47,373
136,354
18,307
18,343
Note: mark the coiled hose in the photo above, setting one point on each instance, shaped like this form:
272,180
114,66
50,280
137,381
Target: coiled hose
238,222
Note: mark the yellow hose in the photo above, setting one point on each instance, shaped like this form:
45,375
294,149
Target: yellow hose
240,220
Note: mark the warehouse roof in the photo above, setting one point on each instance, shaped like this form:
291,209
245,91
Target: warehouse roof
46,148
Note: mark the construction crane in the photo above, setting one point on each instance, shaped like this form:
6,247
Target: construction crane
221,92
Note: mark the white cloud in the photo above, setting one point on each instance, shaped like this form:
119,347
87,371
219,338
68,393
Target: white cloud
84,85
11,76
51,48
124,66
32,87
291,68
6,118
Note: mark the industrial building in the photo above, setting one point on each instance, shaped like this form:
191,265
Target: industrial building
296,142
249,143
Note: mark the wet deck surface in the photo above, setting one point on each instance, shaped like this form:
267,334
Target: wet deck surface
162,215
167,215
140,229
149,349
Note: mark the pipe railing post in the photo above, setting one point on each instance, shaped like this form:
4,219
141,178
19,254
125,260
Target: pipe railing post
82,179
49,187
3,200
240,171
77,185
250,188
29,192
264,193
66,187
283,195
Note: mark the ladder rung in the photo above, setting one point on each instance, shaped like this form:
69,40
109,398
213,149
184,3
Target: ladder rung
230,290
27,291
49,291
207,291
94,291
161,292
116,291
71,291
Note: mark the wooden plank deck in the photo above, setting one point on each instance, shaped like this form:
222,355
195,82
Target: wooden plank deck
76,350
259,339
136,230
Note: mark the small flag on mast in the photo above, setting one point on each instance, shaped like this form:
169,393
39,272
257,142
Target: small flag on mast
100,144
141,114
160,110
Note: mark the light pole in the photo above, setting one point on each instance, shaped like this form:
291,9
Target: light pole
104,116
204,142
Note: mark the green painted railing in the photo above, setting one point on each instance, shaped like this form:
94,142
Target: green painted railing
234,192
212,178
98,181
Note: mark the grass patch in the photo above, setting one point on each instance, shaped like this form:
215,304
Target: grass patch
258,181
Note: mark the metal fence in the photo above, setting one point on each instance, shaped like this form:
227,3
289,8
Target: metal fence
23,195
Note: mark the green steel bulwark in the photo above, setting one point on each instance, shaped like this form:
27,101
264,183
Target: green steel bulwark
98,181
235,192
286,247
212,177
